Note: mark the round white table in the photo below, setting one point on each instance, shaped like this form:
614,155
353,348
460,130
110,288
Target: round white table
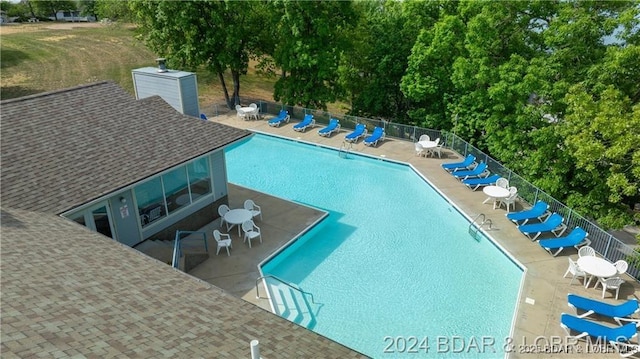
596,267
428,145
495,193
250,111
237,217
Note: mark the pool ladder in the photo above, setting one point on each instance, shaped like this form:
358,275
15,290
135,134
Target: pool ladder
476,225
345,149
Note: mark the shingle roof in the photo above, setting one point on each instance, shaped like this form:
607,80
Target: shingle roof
70,292
64,148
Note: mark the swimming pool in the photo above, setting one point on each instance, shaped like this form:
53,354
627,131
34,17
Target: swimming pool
393,262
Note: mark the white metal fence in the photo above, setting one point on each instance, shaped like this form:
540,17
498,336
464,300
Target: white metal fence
603,242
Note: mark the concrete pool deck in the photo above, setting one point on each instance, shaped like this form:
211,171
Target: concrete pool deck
544,290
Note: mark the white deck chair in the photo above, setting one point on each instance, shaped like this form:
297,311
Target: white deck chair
419,150
586,251
511,200
256,112
241,113
575,271
621,266
610,283
502,182
251,231
424,138
255,210
438,150
222,210
223,241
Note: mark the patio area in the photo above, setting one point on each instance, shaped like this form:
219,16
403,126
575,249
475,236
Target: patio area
544,290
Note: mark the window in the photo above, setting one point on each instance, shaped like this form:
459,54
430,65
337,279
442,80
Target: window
199,177
175,189
150,201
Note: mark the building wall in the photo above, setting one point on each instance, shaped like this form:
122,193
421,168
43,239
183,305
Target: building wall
178,88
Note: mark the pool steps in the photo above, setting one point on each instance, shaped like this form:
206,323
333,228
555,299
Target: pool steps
292,305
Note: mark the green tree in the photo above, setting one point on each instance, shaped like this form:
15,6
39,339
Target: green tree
427,81
312,35
219,35
114,10
602,134
371,69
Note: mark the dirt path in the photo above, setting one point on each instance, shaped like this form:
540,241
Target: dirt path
12,28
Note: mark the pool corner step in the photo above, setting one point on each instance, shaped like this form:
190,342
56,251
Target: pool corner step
292,305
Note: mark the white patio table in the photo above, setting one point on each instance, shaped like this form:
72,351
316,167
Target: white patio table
596,267
250,111
237,217
495,193
428,145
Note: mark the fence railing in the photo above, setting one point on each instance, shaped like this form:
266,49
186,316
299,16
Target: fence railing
603,242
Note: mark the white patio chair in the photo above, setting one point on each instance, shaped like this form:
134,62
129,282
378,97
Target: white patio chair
511,200
610,284
419,150
424,138
438,150
223,240
222,210
502,182
586,251
621,266
575,271
256,112
251,232
255,210
241,113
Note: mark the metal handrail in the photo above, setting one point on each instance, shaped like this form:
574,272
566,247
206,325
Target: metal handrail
177,246
345,148
484,221
283,282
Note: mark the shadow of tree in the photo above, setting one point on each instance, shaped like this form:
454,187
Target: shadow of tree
9,92
12,57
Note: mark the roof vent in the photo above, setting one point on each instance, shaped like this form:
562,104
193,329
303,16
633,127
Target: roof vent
161,64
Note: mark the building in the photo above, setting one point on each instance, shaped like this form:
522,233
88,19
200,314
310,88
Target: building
88,172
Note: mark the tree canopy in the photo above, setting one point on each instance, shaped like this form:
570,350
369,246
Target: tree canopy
550,89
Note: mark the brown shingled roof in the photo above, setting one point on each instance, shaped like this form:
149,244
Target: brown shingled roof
64,148
70,292
66,291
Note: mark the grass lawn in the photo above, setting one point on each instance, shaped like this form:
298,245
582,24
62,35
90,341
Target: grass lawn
48,56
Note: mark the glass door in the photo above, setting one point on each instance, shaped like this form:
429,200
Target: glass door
101,219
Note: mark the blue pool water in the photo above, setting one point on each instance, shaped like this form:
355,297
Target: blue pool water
392,264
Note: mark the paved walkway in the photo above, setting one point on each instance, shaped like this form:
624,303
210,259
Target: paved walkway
544,290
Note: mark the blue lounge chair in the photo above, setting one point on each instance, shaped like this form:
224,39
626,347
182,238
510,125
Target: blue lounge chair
283,116
376,135
577,238
479,171
360,131
618,337
466,164
307,121
553,223
475,183
619,312
333,126
539,210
